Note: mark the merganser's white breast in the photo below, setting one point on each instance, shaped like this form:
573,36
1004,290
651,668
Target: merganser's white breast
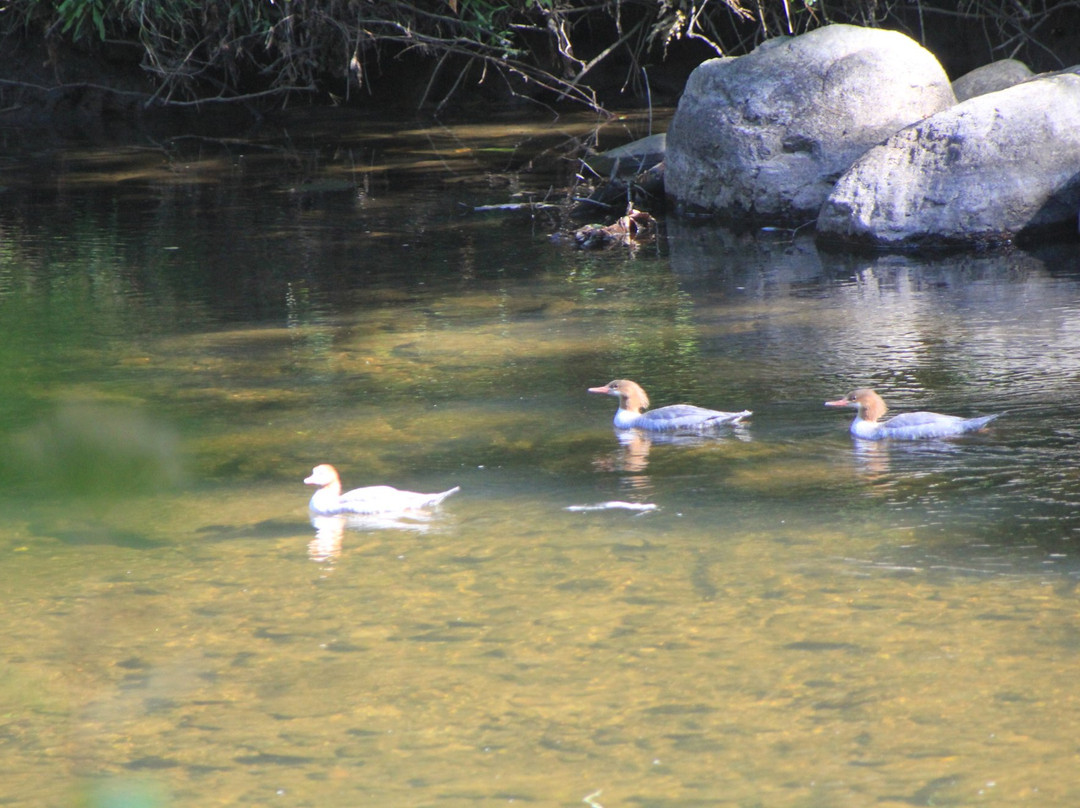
634,413
870,407
329,500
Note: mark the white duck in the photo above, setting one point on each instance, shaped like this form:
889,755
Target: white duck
329,499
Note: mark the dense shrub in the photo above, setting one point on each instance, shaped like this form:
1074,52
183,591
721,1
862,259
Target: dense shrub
545,50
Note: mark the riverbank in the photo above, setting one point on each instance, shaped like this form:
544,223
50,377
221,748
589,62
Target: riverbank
87,66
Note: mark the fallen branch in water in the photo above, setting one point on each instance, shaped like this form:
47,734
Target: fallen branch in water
512,206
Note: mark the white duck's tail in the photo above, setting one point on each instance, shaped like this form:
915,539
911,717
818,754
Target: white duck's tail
437,498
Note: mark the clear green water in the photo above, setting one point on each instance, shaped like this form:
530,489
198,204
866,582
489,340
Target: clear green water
802,621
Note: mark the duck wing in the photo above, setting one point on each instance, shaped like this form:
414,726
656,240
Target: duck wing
687,417
932,425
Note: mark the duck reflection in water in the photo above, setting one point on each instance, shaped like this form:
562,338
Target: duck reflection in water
326,545
632,455
874,459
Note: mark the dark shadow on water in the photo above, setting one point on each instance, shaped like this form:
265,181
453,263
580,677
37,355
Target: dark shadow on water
103,535
266,530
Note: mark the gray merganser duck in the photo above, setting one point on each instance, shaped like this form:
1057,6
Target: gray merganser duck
909,426
634,413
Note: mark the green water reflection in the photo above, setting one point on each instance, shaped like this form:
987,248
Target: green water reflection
801,621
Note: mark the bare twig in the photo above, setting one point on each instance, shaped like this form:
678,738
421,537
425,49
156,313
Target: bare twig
76,85
252,49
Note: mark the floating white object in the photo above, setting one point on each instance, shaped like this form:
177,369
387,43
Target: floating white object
614,505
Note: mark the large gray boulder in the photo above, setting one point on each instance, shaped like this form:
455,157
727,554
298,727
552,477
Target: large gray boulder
983,172
991,78
764,136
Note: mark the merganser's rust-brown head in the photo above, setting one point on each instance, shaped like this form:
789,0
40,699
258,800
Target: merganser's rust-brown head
870,405
631,396
324,476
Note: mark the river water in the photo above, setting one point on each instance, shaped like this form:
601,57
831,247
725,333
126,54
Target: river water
192,323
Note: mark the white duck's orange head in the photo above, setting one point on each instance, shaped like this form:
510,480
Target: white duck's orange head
324,475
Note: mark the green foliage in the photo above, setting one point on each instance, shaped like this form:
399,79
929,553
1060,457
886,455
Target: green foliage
79,16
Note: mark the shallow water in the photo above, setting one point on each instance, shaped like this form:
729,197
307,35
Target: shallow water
801,621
